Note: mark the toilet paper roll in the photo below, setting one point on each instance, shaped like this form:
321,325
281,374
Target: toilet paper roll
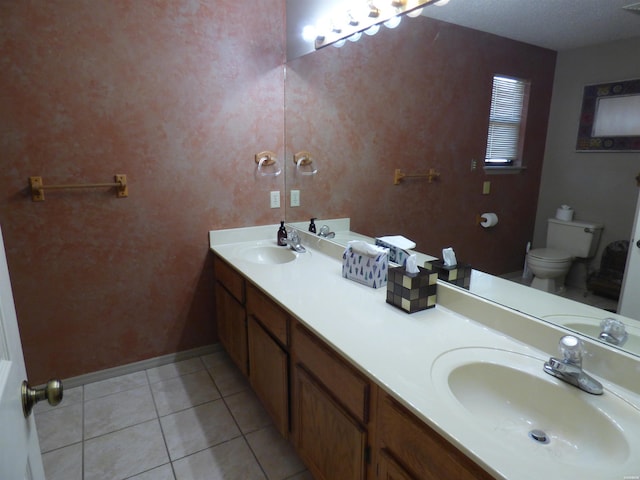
565,212
490,220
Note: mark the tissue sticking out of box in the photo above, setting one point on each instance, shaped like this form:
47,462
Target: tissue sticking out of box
449,257
364,248
411,264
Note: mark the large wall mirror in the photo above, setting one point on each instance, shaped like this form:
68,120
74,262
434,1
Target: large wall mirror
417,97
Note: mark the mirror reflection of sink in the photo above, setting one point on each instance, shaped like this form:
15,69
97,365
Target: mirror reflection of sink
267,254
509,397
591,326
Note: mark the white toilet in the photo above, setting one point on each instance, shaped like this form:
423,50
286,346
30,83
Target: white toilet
565,242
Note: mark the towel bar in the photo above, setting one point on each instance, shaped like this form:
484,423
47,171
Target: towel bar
38,187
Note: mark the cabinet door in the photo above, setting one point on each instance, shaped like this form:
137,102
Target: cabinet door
269,374
390,470
329,441
232,327
420,449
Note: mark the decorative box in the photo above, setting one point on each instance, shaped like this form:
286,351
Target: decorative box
369,270
396,254
412,292
459,274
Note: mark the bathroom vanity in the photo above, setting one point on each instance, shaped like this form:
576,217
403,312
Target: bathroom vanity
364,390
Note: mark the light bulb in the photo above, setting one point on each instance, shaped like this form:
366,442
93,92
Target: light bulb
355,37
415,13
393,22
372,30
441,3
340,43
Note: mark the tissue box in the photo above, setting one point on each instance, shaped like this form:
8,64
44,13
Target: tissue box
371,271
396,254
459,274
412,292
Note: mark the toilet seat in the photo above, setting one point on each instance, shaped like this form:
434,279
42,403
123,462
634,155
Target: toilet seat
550,255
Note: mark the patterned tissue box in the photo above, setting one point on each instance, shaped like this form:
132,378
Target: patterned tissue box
459,274
412,292
371,271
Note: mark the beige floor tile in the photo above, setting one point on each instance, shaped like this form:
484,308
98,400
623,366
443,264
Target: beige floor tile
59,427
276,456
113,412
183,392
176,369
165,472
232,460
228,377
198,428
248,411
64,463
125,453
115,385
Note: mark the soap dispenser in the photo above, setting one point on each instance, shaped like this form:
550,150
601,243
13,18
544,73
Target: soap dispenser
312,226
282,235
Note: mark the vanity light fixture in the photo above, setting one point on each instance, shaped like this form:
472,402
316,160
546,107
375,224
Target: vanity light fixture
365,16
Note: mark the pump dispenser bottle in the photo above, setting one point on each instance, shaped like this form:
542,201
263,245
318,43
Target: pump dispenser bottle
282,235
312,226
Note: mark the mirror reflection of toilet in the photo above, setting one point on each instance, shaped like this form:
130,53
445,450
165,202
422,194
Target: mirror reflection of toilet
565,242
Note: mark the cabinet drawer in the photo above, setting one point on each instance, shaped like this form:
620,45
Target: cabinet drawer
272,317
420,449
228,277
347,385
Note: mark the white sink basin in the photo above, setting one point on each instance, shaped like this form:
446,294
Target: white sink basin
507,397
267,254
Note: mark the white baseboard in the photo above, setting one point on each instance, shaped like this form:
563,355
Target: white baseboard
137,366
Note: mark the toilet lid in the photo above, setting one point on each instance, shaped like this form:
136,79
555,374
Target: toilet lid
549,254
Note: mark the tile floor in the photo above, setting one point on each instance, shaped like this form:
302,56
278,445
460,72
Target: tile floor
190,420
577,294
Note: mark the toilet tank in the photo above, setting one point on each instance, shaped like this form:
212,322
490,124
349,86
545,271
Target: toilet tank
579,238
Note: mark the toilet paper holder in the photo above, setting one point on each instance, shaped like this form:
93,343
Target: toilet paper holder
487,219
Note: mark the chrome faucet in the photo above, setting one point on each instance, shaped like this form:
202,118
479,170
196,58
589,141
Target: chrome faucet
569,369
293,240
326,232
613,331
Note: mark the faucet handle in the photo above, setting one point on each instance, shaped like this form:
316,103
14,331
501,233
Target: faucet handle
572,349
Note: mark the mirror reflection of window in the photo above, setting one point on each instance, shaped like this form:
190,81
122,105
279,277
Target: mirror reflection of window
507,119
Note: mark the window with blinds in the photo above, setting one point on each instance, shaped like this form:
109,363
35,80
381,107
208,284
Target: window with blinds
506,121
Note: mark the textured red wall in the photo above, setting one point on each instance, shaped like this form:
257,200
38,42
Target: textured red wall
415,98
177,95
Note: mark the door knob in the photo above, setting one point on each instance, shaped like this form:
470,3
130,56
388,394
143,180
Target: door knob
52,392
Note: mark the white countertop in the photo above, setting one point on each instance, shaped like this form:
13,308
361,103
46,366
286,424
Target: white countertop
396,349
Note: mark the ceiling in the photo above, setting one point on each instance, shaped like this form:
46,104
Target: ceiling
554,24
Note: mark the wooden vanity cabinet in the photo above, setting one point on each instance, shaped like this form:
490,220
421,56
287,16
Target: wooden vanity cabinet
231,313
409,450
331,404
268,340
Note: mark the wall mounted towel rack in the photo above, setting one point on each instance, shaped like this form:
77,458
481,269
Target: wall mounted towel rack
38,187
431,175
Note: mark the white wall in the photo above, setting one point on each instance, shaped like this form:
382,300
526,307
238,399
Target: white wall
599,186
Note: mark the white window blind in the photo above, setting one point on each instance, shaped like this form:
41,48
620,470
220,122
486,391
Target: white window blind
505,120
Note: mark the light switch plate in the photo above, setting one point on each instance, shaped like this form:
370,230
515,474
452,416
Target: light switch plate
275,199
486,188
295,198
